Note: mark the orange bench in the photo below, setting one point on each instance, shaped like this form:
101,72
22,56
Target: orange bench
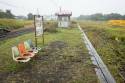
16,55
24,52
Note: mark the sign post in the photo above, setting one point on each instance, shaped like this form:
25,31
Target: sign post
39,28
43,29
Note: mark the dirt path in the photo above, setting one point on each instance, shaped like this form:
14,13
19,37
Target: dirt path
18,32
57,63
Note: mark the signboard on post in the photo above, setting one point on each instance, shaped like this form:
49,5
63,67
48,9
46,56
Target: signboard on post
39,28
39,25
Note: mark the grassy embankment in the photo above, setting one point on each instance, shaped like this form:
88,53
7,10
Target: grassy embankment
12,24
109,42
74,57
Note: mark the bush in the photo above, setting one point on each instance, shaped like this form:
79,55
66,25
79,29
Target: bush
73,24
51,26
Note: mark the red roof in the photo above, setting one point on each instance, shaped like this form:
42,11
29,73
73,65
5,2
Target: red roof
64,13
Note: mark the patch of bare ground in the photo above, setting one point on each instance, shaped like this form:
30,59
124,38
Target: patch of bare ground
56,63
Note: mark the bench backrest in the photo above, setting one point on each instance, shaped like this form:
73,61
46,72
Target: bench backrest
22,48
30,43
27,45
15,52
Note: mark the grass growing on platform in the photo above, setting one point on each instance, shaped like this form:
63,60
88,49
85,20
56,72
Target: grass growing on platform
74,56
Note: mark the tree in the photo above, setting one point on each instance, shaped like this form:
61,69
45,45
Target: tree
113,16
101,17
30,16
6,14
123,17
97,16
9,14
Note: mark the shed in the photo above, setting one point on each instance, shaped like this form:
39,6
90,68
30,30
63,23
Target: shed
63,18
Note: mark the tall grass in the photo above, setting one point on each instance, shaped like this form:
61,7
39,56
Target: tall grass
50,26
110,44
13,23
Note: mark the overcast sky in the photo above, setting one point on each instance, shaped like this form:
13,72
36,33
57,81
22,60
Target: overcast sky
78,7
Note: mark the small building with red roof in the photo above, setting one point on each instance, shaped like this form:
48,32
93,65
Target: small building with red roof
63,18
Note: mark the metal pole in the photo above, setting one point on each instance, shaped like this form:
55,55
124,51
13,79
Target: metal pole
43,29
35,31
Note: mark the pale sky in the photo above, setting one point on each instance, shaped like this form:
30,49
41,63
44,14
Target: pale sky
78,7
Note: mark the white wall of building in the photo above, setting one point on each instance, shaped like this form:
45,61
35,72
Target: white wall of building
63,21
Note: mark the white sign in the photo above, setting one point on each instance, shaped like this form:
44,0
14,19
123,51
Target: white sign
39,31
39,25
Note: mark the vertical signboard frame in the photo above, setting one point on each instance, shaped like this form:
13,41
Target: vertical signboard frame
35,27
43,29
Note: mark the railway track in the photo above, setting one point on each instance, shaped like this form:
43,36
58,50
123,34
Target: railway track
101,70
16,33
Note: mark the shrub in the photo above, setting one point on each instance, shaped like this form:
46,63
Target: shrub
73,24
50,26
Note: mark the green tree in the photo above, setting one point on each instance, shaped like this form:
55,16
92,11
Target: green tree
113,16
97,16
30,16
123,17
9,14
101,17
6,14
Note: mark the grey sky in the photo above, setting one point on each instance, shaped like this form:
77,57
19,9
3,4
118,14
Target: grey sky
22,7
